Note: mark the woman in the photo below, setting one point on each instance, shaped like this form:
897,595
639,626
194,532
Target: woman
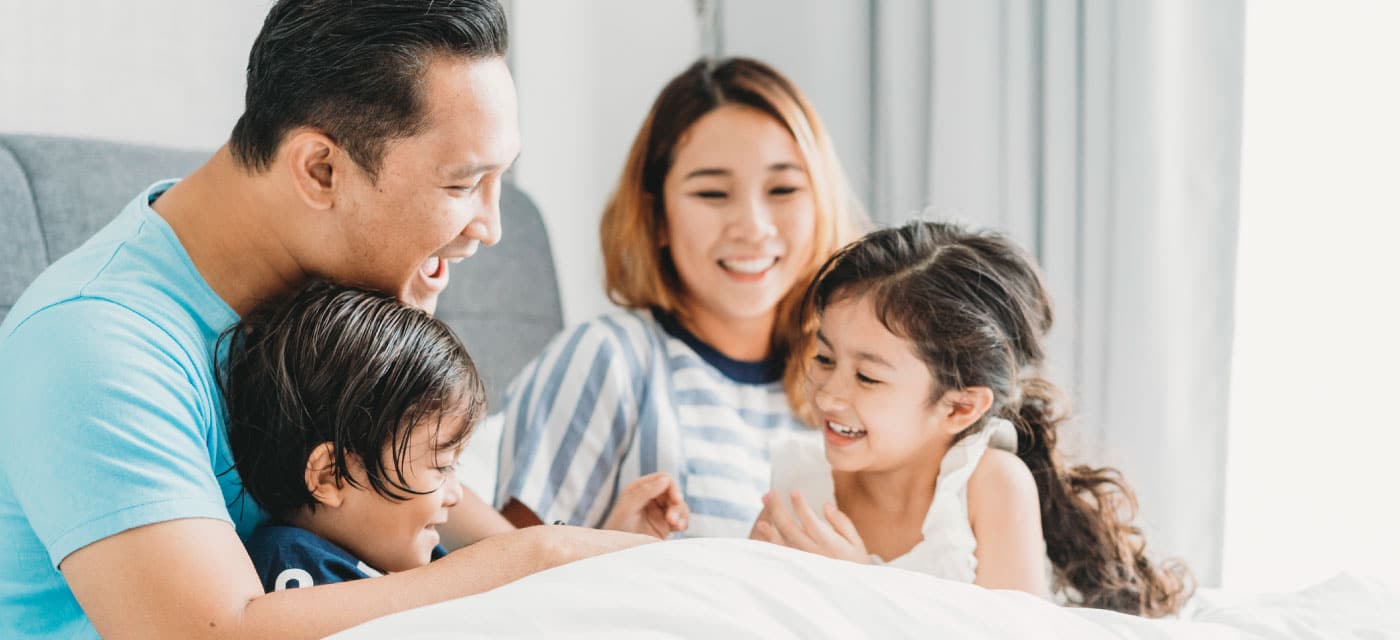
730,199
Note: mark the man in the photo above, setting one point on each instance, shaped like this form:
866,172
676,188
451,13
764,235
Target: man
370,152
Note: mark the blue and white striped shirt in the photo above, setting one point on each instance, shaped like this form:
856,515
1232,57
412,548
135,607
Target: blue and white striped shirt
631,393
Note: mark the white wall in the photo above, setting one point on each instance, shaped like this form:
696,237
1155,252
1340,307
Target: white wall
1312,472
823,46
587,73
166,72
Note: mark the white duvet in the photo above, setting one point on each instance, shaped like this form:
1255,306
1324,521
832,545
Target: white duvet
732,589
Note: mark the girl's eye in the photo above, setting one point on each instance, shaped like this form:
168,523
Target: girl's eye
710,195
823,360
782,191
864,379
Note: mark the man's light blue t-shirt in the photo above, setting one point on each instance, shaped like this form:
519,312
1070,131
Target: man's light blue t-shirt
110,414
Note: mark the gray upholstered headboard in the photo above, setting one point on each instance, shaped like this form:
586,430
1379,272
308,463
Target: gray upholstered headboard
56,192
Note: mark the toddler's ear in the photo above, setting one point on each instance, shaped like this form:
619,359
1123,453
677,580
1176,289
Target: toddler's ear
320,476
965,407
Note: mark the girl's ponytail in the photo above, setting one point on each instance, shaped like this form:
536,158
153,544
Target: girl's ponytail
1086,514
975,309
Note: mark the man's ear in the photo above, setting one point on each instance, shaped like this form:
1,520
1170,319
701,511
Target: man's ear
320,476
316,164
963,407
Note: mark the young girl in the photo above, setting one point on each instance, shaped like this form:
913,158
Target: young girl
347,412
730,198
940,435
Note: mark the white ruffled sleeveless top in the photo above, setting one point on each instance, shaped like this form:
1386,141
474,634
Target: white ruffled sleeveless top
947,550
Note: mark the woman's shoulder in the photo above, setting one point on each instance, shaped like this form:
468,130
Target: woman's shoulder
618,328
618,343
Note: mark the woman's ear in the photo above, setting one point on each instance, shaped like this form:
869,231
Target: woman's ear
321,478
964,407
313,160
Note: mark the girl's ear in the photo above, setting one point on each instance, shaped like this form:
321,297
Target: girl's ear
964,407
320,476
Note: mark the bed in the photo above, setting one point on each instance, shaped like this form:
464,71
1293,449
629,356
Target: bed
734,589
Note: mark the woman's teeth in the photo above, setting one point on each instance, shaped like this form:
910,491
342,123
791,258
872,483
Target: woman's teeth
844,430
756,265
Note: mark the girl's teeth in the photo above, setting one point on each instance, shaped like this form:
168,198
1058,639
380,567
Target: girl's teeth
845,430
756,265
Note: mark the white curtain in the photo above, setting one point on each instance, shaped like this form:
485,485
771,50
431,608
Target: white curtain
1104,135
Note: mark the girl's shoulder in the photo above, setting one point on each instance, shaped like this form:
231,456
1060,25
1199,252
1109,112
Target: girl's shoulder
1001,486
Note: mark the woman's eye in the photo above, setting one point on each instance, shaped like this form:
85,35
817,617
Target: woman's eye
710,195
823,360
864,379
782,191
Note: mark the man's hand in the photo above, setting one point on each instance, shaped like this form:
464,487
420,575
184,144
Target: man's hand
835,537
558,545
651,505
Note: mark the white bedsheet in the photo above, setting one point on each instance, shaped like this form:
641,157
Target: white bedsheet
732,589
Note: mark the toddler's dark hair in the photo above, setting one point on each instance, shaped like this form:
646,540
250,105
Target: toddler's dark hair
351,367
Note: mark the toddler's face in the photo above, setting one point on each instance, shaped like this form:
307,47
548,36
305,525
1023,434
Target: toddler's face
393,535
871,392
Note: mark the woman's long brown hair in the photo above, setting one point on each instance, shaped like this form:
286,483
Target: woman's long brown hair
639,273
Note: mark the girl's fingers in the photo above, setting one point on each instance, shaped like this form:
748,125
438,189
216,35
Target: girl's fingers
791,531
843,525
814,526
766,533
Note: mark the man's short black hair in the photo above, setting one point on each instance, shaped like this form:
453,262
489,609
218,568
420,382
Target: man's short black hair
355,368
352,69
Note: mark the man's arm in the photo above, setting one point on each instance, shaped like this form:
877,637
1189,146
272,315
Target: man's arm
191,578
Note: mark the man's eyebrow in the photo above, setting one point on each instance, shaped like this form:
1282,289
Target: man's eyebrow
462,171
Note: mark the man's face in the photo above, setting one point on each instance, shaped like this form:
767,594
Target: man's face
437,196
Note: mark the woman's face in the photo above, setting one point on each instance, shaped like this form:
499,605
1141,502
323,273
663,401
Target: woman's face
740,215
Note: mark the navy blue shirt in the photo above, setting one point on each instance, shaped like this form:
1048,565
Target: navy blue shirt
292,558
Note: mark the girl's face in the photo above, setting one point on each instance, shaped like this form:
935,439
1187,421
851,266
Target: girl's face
871,393
740,215
394,535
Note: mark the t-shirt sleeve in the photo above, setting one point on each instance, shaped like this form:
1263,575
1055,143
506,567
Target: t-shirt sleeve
569,419
103,427
291,558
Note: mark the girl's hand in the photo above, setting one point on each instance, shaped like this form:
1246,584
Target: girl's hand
835,537
651,504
